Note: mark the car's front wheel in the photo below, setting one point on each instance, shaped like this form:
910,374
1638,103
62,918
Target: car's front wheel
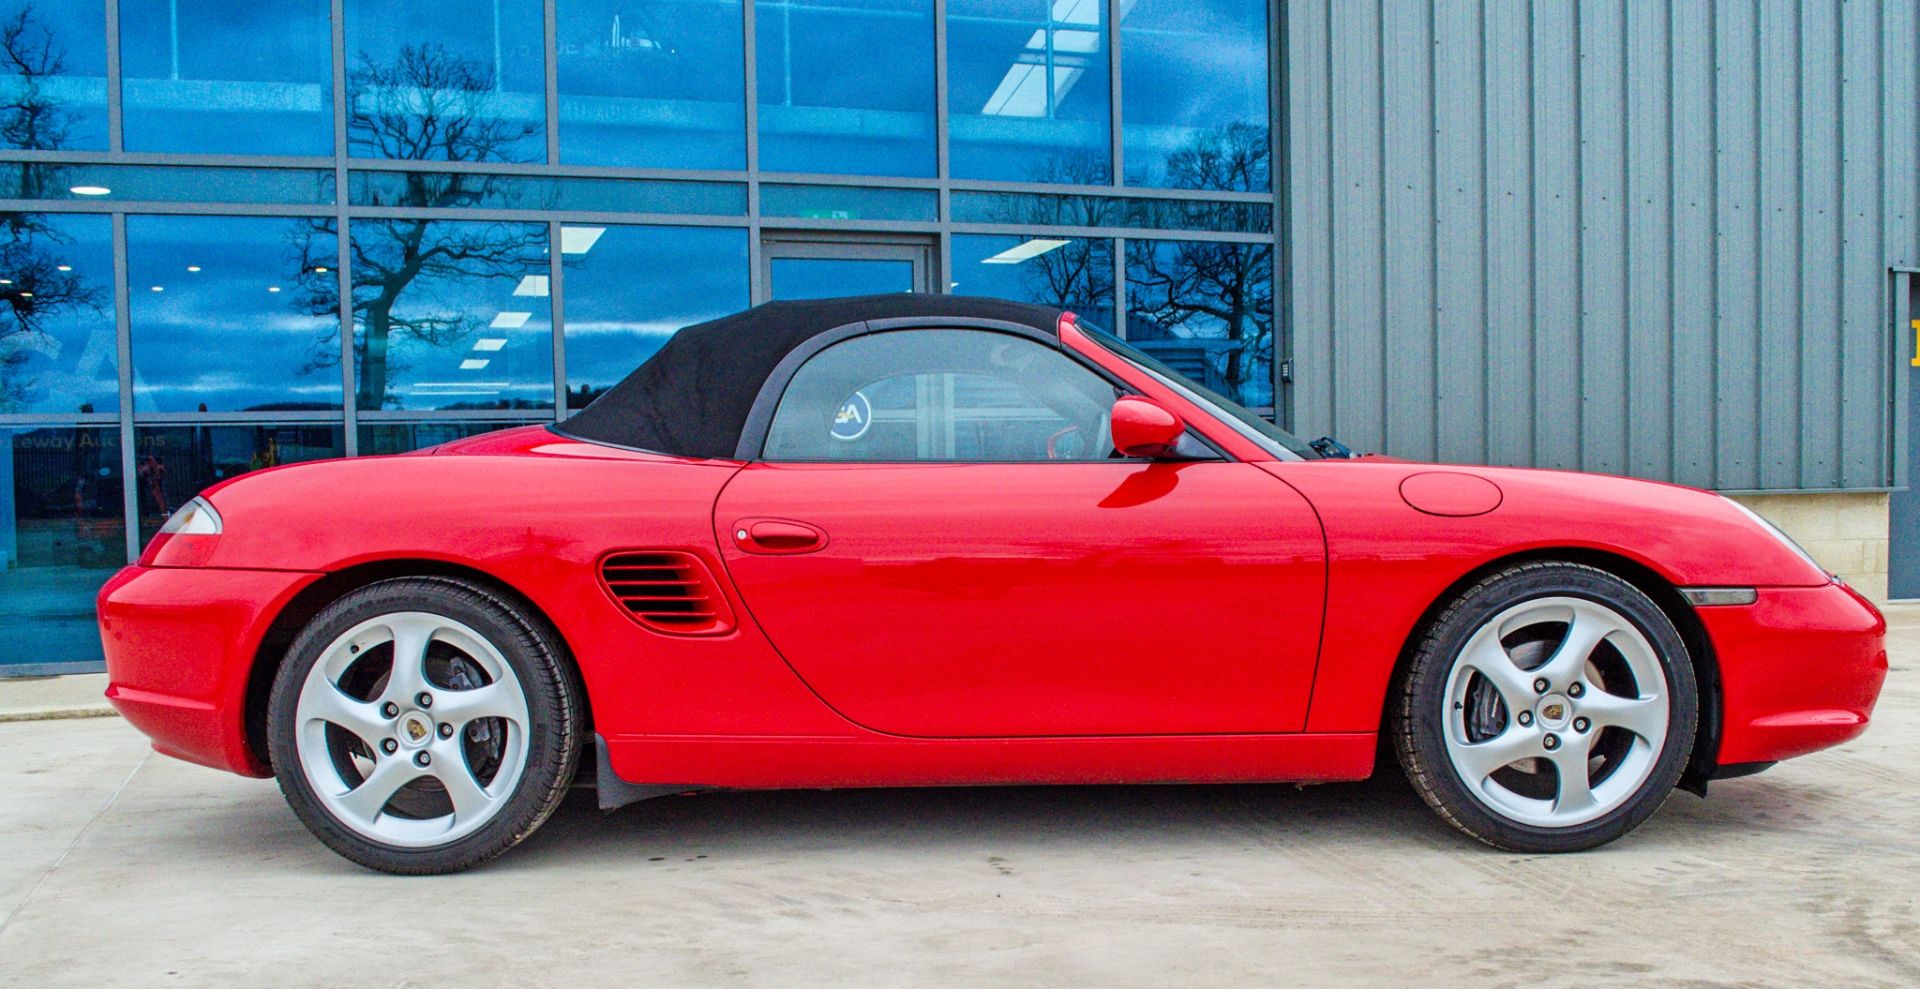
1550,707
423,725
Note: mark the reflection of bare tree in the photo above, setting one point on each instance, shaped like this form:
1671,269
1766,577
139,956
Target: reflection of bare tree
37,291
1208,281
429,105
30,118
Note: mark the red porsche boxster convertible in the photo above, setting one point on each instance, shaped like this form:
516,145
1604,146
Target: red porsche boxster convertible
913,540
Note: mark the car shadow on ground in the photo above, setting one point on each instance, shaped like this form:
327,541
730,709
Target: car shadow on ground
1380,813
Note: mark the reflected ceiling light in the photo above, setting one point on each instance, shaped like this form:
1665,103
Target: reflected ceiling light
89,190
159,288
532,285
63,267
1022,252
510,320
579,240
273,288
193,267
26,295
474,363
489,344
6,281
1023,90
321,268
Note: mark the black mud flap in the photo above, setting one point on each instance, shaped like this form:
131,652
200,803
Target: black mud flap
615,792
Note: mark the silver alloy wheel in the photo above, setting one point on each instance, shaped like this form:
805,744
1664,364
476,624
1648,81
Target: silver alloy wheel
413,733
1598,717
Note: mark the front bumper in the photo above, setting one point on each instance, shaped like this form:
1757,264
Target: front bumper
1800,670
180,645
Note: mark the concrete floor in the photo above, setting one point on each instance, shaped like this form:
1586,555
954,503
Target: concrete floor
122,868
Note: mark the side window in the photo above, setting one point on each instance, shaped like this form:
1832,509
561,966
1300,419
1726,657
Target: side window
942,395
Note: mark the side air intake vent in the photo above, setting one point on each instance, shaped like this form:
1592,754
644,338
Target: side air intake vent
667,591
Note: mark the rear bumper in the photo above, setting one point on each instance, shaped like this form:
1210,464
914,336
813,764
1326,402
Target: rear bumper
180,645
1800,670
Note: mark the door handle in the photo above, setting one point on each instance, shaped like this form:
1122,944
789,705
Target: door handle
777,537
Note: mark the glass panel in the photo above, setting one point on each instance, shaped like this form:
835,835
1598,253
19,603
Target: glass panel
174,463
53,87
404,437
827,278
1072,273
1027,92
165,184
657,84
57,350
942,395
1035,210
217,77
475,92
836,202
1206,310
1194,94
474,190
451,315
628,289
233,314
845,86
62,534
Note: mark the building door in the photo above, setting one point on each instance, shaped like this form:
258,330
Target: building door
817,266
1903,544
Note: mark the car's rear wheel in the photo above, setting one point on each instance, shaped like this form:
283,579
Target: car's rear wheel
1550,707
423,725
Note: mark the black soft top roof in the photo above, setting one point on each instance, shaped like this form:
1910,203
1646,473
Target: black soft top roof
693,398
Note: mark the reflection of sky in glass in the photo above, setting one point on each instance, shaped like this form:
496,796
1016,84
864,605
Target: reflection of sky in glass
827,278
1072,273
446,79
222,338
403,437
629,288
652,84
845,86
1188,68
451,315
56,324
53,83
1005,121
213,76
61,534
1206,309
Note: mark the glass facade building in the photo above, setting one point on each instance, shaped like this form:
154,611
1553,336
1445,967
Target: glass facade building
241,235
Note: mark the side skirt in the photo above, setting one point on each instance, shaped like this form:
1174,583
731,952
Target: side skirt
634,767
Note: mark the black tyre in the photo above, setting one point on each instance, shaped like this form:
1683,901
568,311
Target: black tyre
1551,707
423,725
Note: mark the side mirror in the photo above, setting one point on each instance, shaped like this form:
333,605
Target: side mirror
1144,428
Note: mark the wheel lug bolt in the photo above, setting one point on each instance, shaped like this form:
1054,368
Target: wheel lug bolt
1575,690
1551,742
390,709
1581,724
446,730
423,699
1525,718
1540,685
389,746
421,758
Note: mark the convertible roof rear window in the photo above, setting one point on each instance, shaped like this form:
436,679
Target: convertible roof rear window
693,398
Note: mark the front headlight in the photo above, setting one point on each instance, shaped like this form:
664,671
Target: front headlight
1785,540
195,518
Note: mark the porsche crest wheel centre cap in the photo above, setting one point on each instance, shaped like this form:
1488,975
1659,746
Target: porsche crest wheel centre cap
1553,711
414,729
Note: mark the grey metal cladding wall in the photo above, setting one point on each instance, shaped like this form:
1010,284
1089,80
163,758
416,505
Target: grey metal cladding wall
1632,237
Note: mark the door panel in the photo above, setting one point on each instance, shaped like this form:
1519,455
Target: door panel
1021,599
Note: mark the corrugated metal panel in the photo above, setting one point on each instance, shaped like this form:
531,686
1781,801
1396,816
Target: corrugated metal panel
1642,238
